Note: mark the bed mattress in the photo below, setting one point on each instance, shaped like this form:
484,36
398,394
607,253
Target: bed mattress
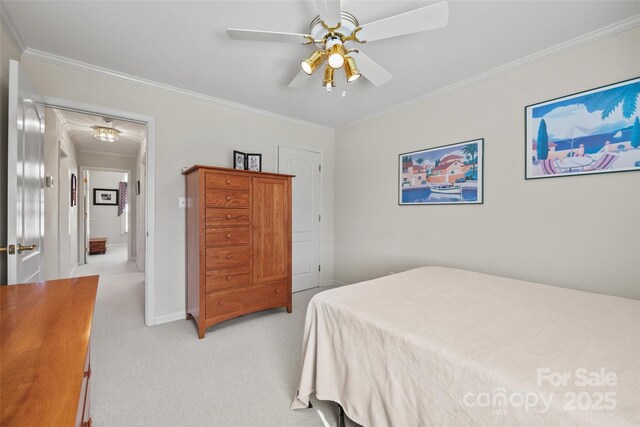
439,346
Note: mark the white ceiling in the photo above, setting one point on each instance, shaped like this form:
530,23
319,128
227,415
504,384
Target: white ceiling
183,44
80,127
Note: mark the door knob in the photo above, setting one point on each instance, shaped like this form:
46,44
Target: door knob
22,248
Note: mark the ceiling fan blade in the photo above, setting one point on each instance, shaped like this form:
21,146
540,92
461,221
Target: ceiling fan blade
414,21
370,69
329,11
266,36
299,80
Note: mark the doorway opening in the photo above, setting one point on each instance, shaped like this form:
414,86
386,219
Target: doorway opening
106,228
94,199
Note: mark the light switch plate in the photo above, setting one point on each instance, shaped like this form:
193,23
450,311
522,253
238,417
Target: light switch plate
182,202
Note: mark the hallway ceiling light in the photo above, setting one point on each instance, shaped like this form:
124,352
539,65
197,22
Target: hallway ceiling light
106,134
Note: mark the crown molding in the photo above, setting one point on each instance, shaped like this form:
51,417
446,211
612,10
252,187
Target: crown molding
94,69
587,38
8,24
108,153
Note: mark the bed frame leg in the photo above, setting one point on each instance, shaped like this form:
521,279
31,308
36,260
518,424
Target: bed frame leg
340,416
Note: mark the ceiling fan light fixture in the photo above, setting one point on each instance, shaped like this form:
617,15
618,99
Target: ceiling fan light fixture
310,64
328,78
335,55
351,69
106,134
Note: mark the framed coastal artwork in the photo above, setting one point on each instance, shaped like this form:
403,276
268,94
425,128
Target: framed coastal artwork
595,131
446,175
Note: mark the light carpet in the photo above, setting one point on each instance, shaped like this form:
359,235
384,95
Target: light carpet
243,373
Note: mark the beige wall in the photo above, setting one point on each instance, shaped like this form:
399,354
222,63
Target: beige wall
8,50
577,232
189,130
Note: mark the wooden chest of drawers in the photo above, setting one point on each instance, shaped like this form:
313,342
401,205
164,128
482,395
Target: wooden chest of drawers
238,243
45,369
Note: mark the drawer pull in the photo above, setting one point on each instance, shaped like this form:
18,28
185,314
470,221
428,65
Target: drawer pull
228,278
228,236
228,216
221,302
228,256
228,198
277,290
228,181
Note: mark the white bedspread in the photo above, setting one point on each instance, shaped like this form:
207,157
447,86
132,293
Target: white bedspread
446,347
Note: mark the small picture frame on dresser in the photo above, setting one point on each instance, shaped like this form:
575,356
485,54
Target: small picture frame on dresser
239,160
254,162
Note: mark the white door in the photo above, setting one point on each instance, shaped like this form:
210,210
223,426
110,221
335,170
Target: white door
25,180
307,195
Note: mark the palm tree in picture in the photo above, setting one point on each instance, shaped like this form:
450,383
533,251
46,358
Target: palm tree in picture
406,159
471,150
626,95
420,161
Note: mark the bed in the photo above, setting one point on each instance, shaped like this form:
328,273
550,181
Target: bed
440,346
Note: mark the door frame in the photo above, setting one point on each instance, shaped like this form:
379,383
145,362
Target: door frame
61,154
81,170
319,151
150,122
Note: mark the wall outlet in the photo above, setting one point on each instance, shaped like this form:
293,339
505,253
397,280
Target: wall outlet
182,202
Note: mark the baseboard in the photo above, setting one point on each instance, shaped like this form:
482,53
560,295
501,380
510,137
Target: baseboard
73,270
172,317
339,283
326,283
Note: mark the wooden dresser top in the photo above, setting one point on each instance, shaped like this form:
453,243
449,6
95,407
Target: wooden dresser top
237,171
44,336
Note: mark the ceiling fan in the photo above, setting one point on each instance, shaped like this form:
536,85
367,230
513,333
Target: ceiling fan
336,34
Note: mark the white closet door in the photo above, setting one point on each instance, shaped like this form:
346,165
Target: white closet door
306,207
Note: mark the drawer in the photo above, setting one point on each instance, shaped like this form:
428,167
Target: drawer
227,256
227,278
214,216
243,300
225,236
82,414
226,198
226,182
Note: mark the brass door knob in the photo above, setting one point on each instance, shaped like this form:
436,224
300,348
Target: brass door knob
22,248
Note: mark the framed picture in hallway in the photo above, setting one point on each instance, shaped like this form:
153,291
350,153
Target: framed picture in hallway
74,190
590,132
446,175
105,197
